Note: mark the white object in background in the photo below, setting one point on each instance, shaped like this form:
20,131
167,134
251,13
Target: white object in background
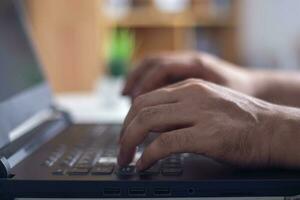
172,6
116,9
105,105
109,89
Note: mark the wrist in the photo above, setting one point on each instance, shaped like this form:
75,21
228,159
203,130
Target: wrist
239,78
264,85
284,137
225,73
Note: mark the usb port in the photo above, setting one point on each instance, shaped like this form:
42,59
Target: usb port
112,192
137,191
162,192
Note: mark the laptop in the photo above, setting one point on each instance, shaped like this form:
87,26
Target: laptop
43,154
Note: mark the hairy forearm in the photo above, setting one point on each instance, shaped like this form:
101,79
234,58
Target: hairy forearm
277,87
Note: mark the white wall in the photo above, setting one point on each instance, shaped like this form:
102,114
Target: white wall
270,33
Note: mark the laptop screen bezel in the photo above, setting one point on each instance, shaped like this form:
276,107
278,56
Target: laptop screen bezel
22,106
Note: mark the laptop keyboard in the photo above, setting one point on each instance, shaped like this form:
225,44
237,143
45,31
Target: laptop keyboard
85,159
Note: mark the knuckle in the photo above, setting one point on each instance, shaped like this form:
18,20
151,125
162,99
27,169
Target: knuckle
138,102
169,91
187,81
193,80
192,84
196,86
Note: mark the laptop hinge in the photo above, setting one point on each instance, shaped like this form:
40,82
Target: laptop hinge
67,117
4,168
31,138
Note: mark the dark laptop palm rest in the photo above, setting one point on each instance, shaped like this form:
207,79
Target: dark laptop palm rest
43,154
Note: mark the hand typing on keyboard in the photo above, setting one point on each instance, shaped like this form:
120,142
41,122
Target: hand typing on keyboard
196,116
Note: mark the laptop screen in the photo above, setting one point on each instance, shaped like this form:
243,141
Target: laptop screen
19,72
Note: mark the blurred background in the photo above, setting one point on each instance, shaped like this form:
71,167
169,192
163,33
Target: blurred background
81,42
88,46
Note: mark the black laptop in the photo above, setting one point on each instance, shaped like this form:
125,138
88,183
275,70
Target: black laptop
44,154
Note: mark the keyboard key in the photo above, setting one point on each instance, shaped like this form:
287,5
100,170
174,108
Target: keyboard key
71,158
110,152
126,171
85,161
154,170
83,166
58,172
171,171
54,156
48,163
171,165
107,159
174,160
78,171
103,169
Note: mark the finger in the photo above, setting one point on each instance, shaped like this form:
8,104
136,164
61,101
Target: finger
157,97
162,117
177,141
155,78
162,75
167,95
136,74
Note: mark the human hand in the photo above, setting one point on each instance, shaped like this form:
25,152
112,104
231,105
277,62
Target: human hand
196,116
158,71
